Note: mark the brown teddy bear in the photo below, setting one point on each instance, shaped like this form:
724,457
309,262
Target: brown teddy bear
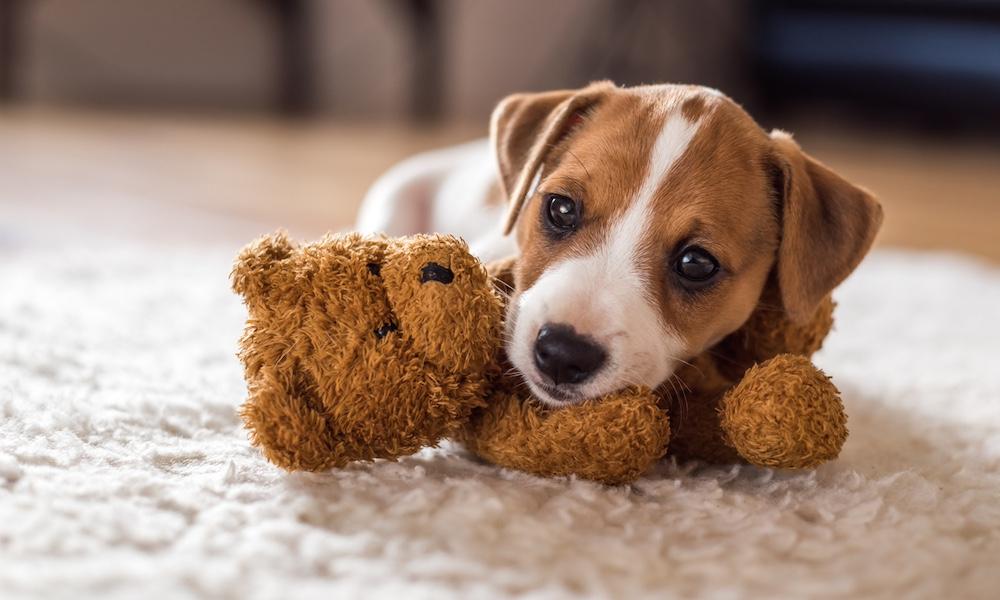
361,348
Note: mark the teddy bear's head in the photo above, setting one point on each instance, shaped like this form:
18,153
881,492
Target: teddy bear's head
361,347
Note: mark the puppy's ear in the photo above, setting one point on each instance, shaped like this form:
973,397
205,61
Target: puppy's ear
524,127
256,262
828,225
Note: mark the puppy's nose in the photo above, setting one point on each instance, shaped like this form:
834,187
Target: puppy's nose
566,356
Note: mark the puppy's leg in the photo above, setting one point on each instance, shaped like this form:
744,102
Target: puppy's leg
399,203
408,198
698,433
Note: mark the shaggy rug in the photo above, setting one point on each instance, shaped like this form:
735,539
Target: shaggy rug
124,472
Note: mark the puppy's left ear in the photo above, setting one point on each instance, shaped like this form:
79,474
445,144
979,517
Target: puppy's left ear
828,225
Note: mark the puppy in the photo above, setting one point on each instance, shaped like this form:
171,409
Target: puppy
647,222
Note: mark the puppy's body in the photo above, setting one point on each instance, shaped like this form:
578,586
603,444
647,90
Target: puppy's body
648,223
454,190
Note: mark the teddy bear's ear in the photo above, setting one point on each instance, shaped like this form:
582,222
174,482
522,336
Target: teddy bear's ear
256,261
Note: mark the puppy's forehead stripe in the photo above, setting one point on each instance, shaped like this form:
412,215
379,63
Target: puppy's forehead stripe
625,237
671,142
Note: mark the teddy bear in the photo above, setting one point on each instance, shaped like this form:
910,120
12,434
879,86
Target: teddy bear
361,348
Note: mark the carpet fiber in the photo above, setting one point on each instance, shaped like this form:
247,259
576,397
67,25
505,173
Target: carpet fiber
124,472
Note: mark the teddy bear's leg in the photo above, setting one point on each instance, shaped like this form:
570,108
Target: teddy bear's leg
613,440
784,413
290,432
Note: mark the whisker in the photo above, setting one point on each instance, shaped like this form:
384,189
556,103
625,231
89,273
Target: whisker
686,363
499,282
722,357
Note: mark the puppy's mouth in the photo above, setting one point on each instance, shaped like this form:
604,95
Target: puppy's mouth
554,395
549,393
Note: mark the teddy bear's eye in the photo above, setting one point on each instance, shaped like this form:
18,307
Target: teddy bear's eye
385,329
435,272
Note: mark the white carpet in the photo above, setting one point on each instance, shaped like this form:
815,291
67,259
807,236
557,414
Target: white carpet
124,472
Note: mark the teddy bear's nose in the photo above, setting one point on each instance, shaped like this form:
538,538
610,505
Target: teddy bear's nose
566,356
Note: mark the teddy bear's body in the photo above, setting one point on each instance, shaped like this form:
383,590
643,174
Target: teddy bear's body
363,348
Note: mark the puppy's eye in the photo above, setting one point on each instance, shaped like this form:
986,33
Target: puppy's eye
696,265
562,213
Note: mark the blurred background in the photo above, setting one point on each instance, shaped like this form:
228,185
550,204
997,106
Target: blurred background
195,120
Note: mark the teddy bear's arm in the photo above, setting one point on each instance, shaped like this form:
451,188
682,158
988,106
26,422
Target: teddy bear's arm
758,398
612,440
288,429
784,413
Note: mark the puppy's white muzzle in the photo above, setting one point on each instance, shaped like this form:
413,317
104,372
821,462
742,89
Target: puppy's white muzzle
610,312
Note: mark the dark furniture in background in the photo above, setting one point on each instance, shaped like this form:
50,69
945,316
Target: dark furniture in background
933,63
9,10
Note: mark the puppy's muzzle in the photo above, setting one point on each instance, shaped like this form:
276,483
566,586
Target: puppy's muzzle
566,357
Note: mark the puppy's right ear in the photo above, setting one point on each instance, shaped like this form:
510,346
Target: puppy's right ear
256,262
524,127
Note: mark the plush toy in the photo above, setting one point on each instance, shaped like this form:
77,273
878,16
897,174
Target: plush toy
362,348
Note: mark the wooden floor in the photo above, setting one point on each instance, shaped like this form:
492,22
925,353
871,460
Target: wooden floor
230,178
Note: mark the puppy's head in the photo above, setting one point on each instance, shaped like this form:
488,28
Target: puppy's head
649,220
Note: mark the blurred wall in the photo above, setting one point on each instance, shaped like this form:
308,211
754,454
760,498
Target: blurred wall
226,53
148,52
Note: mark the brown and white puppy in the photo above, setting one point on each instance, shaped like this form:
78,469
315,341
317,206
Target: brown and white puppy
648,221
